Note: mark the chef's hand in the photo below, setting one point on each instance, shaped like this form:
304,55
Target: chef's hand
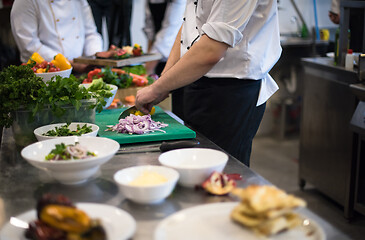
149,96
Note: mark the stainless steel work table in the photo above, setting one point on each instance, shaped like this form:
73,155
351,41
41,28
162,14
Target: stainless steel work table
21,184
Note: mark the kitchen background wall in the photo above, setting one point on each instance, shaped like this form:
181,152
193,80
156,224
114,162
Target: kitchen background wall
287,16
287,13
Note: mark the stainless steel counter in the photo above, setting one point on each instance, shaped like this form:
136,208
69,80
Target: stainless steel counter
21,184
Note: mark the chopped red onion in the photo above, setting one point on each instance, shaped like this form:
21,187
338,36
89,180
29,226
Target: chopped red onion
133,124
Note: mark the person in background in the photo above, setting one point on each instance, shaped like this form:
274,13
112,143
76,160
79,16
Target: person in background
52,27
120,22
162,23
222,54
101,9
356,24
334,13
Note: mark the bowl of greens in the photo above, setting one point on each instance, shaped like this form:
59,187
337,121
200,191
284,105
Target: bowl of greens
26,102
99,86
71,160
60,130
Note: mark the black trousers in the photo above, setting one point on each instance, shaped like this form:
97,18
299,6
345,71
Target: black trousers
224,110
100,9
120,22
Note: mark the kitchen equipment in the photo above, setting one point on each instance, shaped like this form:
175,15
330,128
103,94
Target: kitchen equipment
163,147
127,112
357,125
173,131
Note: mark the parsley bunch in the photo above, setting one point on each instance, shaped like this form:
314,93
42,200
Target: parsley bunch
21,88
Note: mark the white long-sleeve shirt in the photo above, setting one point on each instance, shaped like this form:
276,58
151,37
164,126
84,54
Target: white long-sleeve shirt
249,27
165,37
54,26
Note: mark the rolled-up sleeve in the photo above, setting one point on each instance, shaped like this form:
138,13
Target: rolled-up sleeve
226,23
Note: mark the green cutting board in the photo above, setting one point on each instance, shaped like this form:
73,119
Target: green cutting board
174,130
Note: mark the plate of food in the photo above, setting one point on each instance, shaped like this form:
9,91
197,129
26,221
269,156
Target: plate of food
102,221
241,220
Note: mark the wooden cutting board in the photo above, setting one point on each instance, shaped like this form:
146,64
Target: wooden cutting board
92,60
174,131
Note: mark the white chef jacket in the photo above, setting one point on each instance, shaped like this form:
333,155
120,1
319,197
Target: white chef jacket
165,37
50,27
249,27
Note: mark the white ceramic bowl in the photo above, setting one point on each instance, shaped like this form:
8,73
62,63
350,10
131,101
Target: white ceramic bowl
38,132
71,171
108,100
146,194
194,164
48,76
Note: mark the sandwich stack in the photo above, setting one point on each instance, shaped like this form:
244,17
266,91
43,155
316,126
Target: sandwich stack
266,210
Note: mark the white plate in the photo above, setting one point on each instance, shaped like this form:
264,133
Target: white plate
212,221
117,223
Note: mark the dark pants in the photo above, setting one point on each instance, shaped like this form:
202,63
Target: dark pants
224,110
120,22
100,9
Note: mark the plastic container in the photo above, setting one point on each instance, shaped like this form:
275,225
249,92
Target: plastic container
23,125
349,61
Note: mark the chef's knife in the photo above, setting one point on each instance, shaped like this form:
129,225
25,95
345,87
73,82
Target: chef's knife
163,147
127,112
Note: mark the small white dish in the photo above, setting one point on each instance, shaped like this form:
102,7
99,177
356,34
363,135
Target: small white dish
49,75
108,100
110,216
38,132
71,171
149,194
194,164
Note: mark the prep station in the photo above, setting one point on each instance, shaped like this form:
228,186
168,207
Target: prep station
22,184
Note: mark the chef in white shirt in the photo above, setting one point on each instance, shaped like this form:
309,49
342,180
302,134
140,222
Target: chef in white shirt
50,27
222,54
161,36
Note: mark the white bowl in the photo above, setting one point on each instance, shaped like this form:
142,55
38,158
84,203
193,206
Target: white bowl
194,164
73,126
71,171
108,100
48,75
146,194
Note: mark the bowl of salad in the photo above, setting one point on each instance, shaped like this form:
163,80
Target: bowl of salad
61,130
71,160
99,85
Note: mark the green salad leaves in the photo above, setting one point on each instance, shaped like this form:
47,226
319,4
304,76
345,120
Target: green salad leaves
64,130
20,88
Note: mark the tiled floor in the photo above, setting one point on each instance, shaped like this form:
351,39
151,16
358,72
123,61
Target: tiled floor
277,161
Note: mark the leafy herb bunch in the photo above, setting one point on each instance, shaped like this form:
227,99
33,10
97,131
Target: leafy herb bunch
21,88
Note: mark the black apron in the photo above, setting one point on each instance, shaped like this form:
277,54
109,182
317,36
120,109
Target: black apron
224,110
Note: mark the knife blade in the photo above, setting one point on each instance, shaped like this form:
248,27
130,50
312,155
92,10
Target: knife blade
127,112
159,147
